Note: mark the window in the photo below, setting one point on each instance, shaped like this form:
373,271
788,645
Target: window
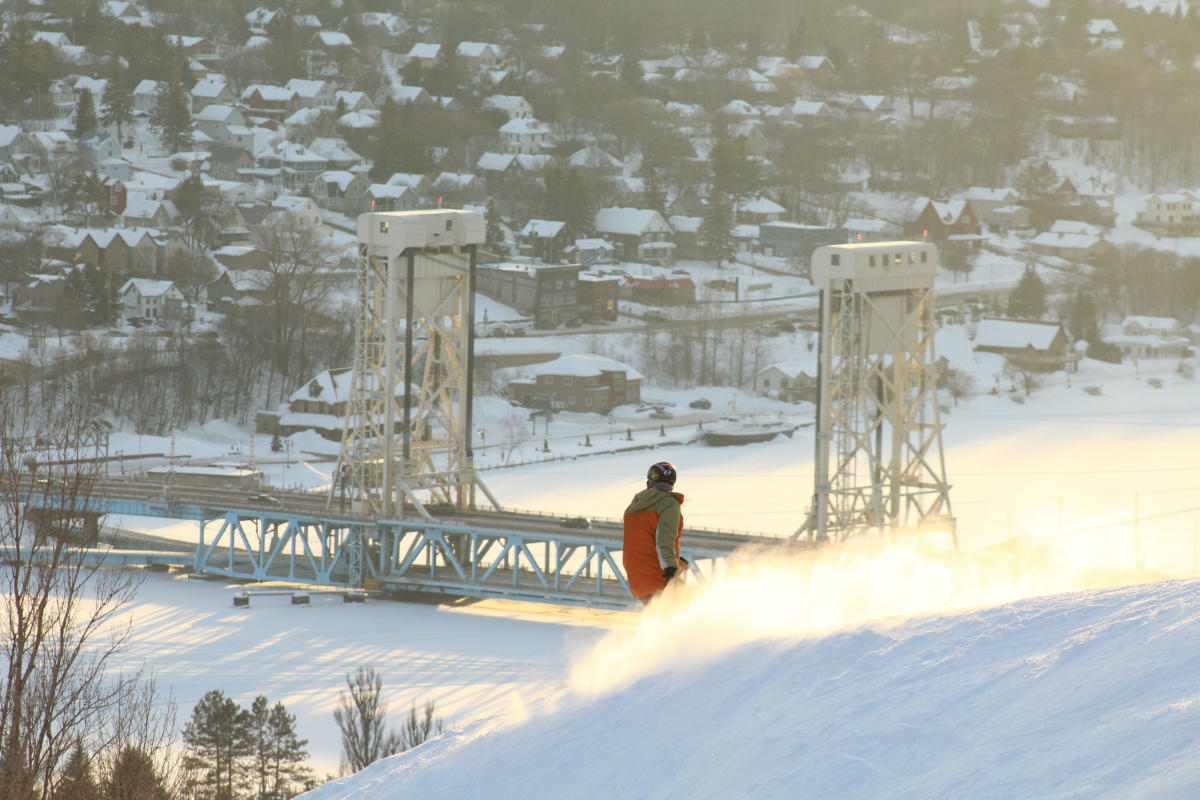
571,400
383,226
835,260
587,401
870,261
567,380
924,256
899,258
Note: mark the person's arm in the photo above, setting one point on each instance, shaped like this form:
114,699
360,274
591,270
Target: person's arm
664,535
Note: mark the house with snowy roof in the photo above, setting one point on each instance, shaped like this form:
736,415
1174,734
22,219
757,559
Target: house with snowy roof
547,239
791,381
145,96
149,210
480,56
1073,241
319,405
389,197
298,165
335,151
527,135
496,164
582,382
353,101
151,299
313,94
514,106
273,102
211,91
1170,214
424,54
985,200
757,210
341,191
1147,337
305,208
1040,346
595,160
638,234
937,221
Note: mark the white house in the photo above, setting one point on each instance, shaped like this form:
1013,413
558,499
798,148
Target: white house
513,105
151,299
526,135
1147,337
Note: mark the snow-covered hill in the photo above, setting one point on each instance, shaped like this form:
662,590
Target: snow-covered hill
780,681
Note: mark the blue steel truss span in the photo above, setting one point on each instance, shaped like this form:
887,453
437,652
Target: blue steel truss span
478,556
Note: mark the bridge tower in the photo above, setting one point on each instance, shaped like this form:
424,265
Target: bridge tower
878,462
407,436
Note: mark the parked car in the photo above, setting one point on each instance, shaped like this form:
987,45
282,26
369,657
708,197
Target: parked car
655,315
810,326
265,499
582,523
661,414
700,402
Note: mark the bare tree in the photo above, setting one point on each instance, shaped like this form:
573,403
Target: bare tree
418,729
361,717
58,633
295,284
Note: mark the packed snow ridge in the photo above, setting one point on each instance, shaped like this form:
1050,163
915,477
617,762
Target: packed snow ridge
866,671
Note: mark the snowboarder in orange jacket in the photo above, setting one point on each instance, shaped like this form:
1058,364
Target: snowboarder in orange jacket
653,526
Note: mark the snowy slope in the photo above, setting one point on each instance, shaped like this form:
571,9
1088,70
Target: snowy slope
1085,694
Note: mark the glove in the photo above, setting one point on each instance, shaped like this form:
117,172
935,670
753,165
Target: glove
669,572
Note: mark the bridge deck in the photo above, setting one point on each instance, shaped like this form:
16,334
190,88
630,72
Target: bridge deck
292,537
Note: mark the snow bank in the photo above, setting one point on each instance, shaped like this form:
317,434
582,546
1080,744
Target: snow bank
773,683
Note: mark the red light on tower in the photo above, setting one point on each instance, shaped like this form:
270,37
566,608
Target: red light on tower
439,202
925,233
858,237
372,204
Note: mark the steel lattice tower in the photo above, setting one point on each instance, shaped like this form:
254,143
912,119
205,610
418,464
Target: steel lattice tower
407,436
878,464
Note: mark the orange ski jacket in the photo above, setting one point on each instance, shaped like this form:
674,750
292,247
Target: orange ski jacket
653,526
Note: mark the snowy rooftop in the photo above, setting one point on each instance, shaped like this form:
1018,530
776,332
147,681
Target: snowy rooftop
584,365
1009,333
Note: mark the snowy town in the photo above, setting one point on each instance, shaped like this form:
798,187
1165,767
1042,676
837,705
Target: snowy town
670,213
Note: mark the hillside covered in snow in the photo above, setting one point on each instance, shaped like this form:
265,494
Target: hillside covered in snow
822,678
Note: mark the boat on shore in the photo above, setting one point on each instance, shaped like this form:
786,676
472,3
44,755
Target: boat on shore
748,430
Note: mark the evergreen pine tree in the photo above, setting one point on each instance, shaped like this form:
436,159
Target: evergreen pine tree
494,232
173,114
85,113
77,781
135,777
117,101
716,229
218,743
278,750
1028,298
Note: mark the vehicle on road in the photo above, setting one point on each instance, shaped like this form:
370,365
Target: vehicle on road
661,414
655,315
581,523
700,402
265,499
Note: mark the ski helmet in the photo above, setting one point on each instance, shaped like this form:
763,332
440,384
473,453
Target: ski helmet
662,472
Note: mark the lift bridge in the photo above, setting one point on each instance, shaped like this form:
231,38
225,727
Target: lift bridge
401,513
480,555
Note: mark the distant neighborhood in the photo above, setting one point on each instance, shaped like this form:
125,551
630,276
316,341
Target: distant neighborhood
160,172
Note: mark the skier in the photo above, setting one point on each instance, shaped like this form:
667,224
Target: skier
653,525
